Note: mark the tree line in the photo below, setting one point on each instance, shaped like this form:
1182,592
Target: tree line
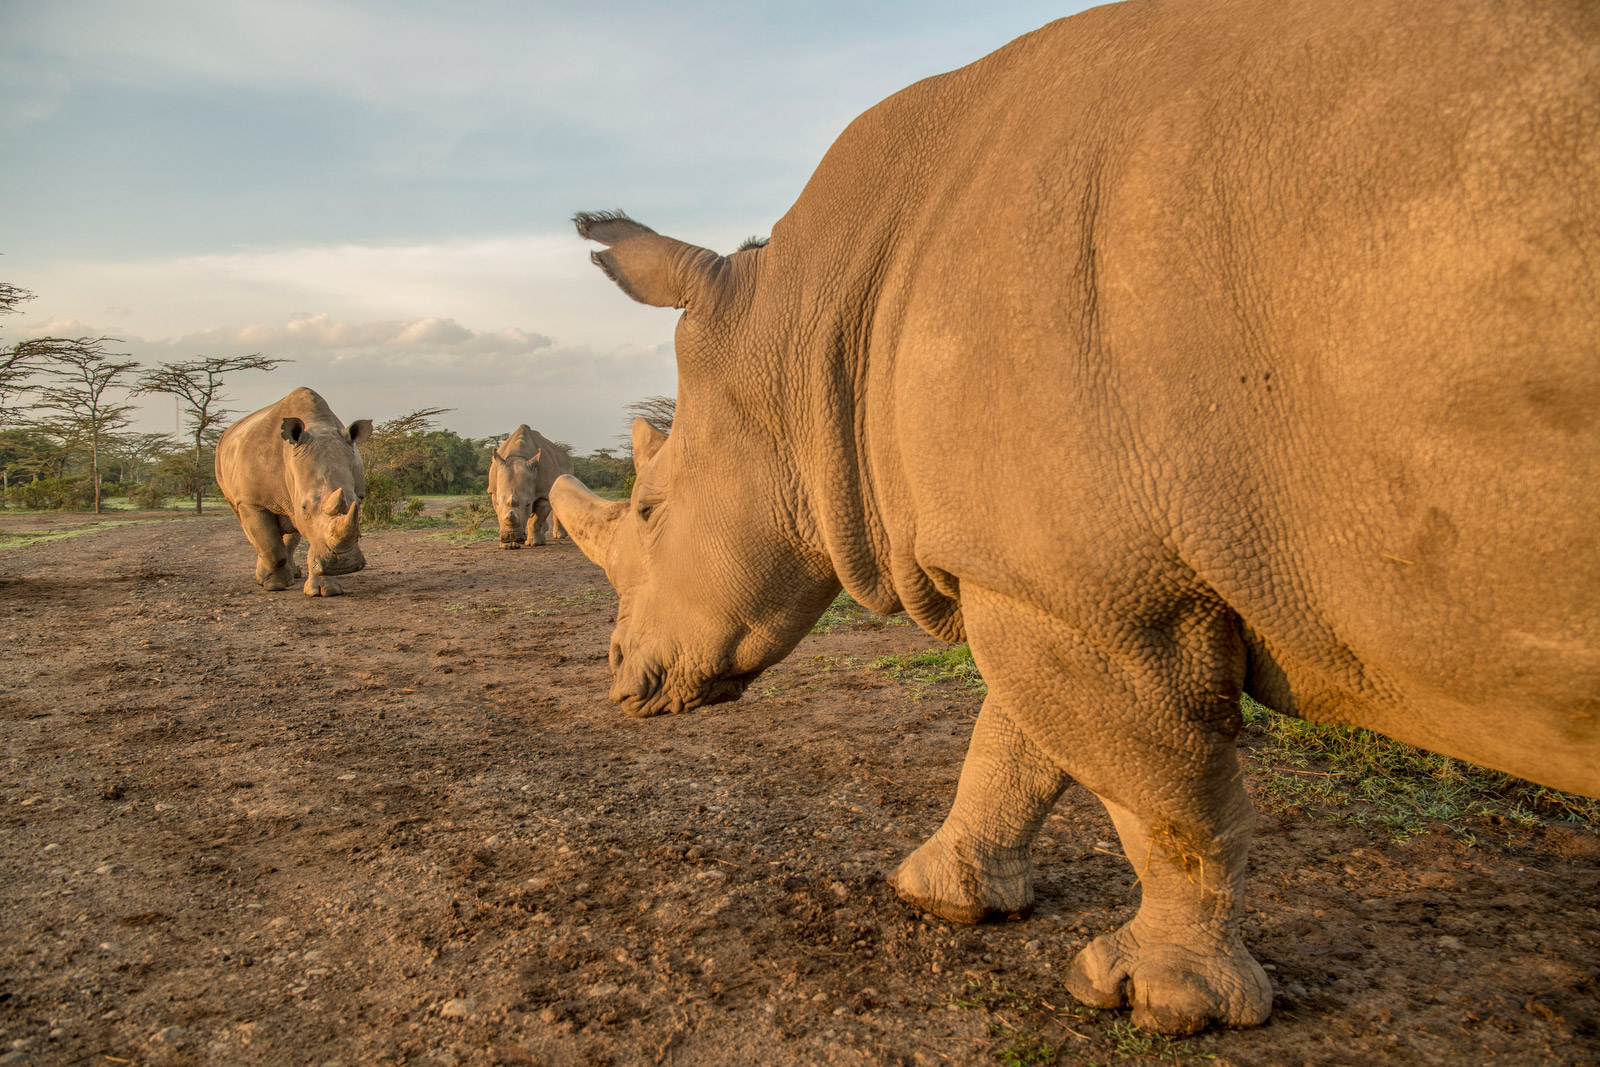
65,412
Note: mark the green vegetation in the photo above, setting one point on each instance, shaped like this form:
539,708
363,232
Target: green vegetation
23,540
1353,775
1029,1031
931,667
845,614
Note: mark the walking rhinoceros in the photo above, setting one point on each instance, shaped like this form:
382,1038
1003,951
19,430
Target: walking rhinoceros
292,470
521,471
1265,334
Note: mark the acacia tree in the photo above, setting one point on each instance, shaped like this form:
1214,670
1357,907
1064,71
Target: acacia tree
18,361
198,384
82,377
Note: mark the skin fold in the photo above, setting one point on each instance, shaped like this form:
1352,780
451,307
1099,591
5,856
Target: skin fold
521,471
290,471
1263,334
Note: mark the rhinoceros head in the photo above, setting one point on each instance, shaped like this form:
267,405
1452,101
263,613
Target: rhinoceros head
328,483
513,491
715,580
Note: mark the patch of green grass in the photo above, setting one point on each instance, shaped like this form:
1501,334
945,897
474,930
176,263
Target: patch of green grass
23,540
1353,775
845,614
1024,1050
933,666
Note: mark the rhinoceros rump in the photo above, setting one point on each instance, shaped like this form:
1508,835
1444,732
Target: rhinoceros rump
1265,336
521,471
292,470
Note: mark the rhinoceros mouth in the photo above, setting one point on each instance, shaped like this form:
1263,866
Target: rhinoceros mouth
652,698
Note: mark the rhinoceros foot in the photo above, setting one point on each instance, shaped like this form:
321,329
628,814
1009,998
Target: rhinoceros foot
1173,988
955,884
275,580
322,585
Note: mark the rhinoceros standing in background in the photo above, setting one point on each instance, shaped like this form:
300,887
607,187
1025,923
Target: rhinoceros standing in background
290,471
1266,336
521,472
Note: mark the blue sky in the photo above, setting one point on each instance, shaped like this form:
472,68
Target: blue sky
380,191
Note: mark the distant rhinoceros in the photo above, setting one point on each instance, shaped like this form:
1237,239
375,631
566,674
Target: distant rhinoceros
292,470
1265,336
521,471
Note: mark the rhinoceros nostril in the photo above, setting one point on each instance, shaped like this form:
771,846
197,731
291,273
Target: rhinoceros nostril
616,655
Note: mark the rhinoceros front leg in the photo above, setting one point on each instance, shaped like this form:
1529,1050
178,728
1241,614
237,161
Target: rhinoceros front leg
274,565
1146,717
539,522
977,866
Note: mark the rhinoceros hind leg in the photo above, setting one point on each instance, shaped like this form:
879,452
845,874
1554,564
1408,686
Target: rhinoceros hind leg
977,865
322,585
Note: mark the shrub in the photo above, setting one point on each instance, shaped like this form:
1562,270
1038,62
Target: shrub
53,494
414,507
148,497
383,493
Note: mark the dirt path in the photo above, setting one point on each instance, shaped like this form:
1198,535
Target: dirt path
406,826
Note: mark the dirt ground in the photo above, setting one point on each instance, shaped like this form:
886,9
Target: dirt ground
407,826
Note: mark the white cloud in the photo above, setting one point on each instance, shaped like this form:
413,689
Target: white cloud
314,333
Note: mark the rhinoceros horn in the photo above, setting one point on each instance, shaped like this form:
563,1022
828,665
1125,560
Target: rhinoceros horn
333,503
590,521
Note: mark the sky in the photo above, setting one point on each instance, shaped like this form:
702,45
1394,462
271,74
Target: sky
381,191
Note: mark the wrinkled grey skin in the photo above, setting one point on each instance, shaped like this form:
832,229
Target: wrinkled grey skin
290,471
1265,335
521,471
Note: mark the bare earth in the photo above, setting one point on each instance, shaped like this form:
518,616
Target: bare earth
407,826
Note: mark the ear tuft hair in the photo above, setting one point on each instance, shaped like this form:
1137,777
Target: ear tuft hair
753,242
608,227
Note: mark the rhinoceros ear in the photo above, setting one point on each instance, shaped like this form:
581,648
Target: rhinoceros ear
655,270
360,431
534,460
647,441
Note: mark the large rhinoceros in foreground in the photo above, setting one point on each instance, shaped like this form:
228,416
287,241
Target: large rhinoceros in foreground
1266,336
290,471
521,472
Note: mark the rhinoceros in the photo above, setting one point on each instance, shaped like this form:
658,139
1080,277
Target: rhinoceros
521,471
1266,336
290,471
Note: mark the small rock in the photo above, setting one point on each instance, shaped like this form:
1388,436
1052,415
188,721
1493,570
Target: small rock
820,998
458,1009
51,847
107,868
492,841
839,890
16,1055
1033,946
346,778
1449,943
603,989
1295,989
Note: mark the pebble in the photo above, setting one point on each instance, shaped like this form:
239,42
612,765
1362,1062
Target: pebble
458,1009
1450,943
492,841
51,847
1033,946
107,868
